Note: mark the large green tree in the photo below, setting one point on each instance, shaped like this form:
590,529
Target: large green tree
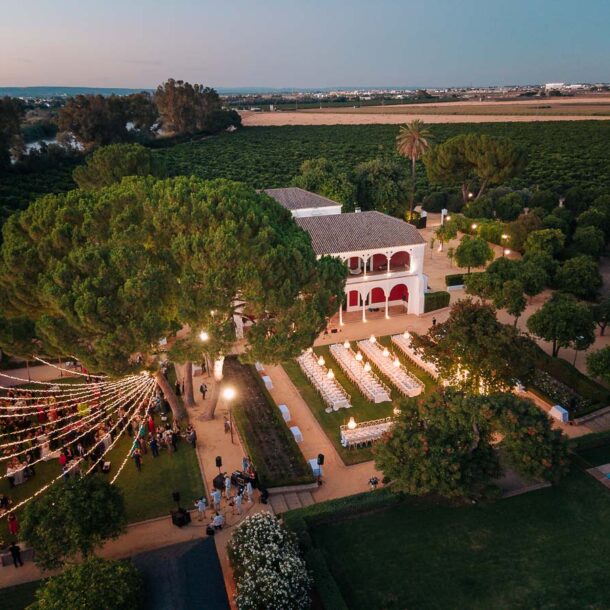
598,363
474,161
323,177
579,276
473,252
72,519
95,584
111,164
473,351
104,275
12,111
381,185
442,444
601,314
563,321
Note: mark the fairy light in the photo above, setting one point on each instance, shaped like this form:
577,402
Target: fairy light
57,429
59,368
70,468
87,430
52,385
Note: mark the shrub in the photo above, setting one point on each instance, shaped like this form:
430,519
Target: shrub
436,300
435,202
269,570
457,279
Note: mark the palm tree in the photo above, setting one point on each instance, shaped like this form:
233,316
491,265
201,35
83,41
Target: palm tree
412,141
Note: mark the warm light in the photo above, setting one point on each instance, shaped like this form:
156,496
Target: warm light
473,226
504,236
367,367
228,393
351,424
396,362
396,411
310,350
359,356
321,360
346,345
386,352
330,374
506,252
470,195
204,336
406,334
213,312
372,339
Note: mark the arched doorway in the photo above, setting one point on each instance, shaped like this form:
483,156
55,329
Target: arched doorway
377,296
400,261
398,294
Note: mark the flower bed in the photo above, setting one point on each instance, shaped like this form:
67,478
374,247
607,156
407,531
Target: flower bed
268,568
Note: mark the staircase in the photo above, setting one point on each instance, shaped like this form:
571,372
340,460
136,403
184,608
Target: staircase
281,503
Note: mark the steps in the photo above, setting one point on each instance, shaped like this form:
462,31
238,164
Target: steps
281,503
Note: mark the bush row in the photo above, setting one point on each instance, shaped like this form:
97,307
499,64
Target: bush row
436,300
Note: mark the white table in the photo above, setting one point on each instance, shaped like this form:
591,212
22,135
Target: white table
315,467
285,412
268,382
296,432
259,367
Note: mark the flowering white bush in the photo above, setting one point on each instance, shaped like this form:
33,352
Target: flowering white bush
269,572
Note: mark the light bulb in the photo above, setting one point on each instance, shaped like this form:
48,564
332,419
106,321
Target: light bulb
203,335
321,360
351,424
396,363
330,374
359,356
367,367
346,344
372,339
386,352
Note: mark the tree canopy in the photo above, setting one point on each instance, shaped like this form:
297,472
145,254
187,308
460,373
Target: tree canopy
474,161
579,276
111,164
73,518
598,363
95,584
473,351
563,321
12,111
473,252
381,185
442,444
104,275
323,177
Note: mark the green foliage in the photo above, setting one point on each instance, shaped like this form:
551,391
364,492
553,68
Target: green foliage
96,584
436,300
562,320
110,164
579,276
322,177
12,111
519,230
598,363
601,314
546,241
381,185
589,240
456,279
105,274
447,231
473,351
473,252
71,518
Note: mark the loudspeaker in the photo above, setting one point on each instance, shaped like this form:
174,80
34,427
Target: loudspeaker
320,459
176,496
180,517
218,462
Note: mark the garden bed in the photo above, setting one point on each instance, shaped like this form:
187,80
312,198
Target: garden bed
276,456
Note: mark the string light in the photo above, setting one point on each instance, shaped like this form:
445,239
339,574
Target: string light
59,368
69,469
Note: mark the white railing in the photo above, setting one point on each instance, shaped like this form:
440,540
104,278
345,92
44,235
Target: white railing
392,368
403,343
333,395
367,382
365,432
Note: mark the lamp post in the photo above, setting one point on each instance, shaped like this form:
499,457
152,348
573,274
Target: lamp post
204,337
228,394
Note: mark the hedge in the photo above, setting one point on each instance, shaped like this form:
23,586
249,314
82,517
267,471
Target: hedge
456,279
436,300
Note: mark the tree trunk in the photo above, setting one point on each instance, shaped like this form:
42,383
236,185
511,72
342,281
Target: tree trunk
175,403
555,351
412,201
465,192
483,186
602,329
189,398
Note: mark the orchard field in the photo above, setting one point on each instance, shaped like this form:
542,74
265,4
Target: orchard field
561,155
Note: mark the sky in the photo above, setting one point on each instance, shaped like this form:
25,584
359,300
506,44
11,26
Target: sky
304,43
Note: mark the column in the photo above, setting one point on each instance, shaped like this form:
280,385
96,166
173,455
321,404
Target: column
366,262
363,308
387,302
388,257
341,313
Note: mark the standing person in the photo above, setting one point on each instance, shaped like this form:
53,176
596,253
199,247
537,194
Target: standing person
238,499
227,487
203,389
227,424
245,464
154,446
216,498
433,321
201,506
137,458
178,389
373,482
249,491
13,525
191,436
16,554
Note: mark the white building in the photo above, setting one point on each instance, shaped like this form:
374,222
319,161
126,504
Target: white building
384,255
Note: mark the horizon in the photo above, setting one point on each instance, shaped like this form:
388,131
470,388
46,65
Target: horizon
470,45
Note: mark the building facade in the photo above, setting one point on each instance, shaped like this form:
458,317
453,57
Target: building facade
384,255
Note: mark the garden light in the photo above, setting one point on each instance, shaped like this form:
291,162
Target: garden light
351,424
473,226
359,356
346,344
367,367
372,339
396,362
228,393
204,336
321,360
386,352
330,374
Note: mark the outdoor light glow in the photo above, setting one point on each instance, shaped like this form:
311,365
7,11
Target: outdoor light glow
204,336
359,356
406,334
396,362
367,367
309,350
321,360
372,339
386,352
351,424
228,393
506,252
330,374
473,226
470,195
396,411
346,344
448,217
504,236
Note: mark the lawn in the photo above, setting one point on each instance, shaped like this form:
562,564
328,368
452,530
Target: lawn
545,550
362,408
19,596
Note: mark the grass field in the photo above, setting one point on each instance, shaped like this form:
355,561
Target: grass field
544,550
362,408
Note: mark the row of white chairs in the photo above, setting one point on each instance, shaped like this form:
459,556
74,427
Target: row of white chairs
369,384
333,395
403,343
392,368
365,433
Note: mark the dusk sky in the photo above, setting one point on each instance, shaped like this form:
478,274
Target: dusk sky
311,43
